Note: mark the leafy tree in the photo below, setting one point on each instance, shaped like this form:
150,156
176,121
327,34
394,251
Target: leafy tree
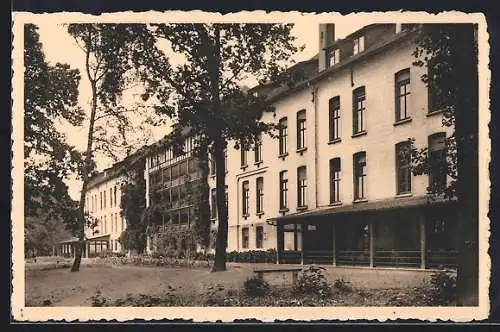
133,205
42,235
110,50
449,51
50,95
204,94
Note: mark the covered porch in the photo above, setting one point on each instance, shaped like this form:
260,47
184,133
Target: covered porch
405,232
92,248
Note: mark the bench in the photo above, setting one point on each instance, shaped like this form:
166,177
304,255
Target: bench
295,271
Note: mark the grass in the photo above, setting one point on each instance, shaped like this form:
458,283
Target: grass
167,286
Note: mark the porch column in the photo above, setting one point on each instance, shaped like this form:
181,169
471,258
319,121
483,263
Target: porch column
303,228
295,240
334,244
423,244
372,243
280,242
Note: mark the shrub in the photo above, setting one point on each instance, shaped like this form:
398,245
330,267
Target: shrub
342,285
312,281
98,300
252,256
108,253
255,286
443,287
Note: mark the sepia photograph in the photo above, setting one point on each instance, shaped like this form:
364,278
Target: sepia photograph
217,167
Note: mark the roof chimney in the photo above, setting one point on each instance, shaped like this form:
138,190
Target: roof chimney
326,38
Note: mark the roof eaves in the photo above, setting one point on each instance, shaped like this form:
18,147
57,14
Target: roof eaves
342,65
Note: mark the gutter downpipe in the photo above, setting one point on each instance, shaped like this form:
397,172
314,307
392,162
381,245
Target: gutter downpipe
315,102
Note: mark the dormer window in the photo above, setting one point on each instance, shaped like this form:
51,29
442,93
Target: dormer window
333,57
359,44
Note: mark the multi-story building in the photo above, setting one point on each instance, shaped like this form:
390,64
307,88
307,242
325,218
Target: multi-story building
102,204
172,185
336,186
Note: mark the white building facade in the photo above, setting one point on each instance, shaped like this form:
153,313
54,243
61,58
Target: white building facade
102,203
336,186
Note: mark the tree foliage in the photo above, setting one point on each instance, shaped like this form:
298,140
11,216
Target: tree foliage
450,53
50,95
133,205
436,49
110,50
204,92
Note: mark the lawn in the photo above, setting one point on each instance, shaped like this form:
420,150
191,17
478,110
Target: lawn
163,286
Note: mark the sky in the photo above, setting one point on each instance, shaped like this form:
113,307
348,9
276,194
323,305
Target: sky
59,46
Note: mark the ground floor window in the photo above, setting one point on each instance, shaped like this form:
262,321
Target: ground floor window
244,237
259,237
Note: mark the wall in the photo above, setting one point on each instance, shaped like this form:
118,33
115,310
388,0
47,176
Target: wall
111,211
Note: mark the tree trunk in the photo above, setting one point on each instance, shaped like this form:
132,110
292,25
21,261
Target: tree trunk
218,148
85,170
222,228
466,130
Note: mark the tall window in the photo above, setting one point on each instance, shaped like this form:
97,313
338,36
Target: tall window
111,197
104,198
244,237
105,225
335,180
403,171
436,102
258,150
212,164
437,161
213,199
245,198
100,198
301,187
259,184
283,190
243,156
283,128
334,114
359,175
259,237
359,45
358,109
402,86
116,222
114,194
301,129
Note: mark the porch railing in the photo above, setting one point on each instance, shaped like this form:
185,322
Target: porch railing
382,258
397,258
353,257
442,259
318,257
290,257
